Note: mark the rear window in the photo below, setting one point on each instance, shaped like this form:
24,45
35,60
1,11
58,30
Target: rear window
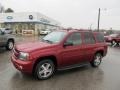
99,37
88,38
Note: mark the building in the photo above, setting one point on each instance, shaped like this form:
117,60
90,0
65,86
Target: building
27,22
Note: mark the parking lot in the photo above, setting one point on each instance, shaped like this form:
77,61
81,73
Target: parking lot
106,77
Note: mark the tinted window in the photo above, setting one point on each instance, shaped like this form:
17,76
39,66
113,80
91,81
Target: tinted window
100,37
75,38
88,38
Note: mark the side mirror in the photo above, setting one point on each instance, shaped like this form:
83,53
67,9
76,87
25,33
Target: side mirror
68,44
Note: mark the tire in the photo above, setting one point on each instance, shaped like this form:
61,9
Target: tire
44,69
118,44
97,60
10,45
113,42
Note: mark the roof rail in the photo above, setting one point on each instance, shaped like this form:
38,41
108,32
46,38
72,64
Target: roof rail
69,29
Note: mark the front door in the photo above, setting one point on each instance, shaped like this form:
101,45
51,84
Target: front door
73,52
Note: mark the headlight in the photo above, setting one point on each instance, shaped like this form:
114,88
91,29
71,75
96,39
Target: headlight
23,56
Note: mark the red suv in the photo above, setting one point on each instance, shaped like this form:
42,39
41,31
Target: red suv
59,50
113,39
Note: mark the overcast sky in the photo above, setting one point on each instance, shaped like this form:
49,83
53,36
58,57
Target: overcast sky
72,13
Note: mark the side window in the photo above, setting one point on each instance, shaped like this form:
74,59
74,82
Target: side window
75,38
100,37
89,38
119,35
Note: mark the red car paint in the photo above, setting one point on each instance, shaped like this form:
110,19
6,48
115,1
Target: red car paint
65,56
115,37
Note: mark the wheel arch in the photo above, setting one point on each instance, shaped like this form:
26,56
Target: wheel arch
100,51
51,57
11,39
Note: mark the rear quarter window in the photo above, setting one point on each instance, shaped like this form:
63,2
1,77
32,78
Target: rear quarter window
100,37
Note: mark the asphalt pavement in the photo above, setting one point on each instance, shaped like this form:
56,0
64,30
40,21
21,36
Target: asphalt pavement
106,77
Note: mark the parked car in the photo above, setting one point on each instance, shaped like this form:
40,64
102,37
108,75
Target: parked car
6,40
113,38
45,32
6,30
59,50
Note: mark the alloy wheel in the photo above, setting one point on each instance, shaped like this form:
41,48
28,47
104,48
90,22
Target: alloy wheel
45,70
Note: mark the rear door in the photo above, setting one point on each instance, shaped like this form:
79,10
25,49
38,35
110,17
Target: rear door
100,42
89,45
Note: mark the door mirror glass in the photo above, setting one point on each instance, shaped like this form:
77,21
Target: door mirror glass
68,44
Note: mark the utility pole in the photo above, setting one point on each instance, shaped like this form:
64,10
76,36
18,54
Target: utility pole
98,20
90,26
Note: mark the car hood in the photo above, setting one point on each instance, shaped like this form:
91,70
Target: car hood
32,46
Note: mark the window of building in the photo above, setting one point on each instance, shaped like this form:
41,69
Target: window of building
88,38
75,38
31,26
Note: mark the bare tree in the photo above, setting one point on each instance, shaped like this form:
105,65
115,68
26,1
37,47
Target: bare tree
9,10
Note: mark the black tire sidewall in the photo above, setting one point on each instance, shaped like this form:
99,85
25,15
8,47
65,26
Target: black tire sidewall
36,73
113,41
7,46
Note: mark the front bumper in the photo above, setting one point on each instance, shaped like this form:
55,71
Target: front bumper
23,66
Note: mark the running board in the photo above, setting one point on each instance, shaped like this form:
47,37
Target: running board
74,66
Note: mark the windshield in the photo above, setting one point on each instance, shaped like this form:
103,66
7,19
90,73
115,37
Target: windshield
113,35
54,37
